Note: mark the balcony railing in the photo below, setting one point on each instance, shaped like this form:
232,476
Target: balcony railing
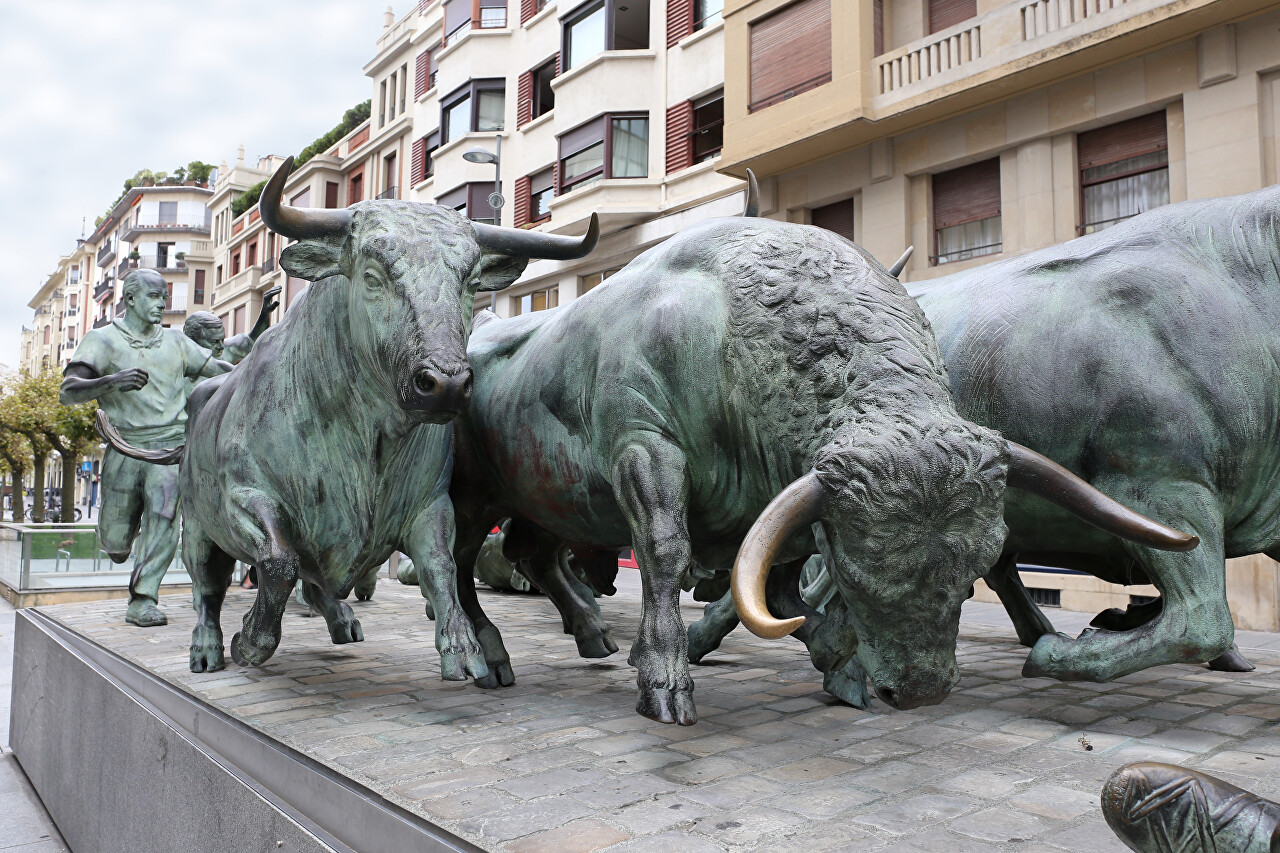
950,48
268,265
137,229
154,262
107,253
123,268
389,192
103,289
100,322
1045,16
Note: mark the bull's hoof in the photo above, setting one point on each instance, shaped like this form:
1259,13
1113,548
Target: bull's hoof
599,645
346,631
500,675
245,654
849,685
1047,657
667,706
703,640
1231,661
364,596
207,658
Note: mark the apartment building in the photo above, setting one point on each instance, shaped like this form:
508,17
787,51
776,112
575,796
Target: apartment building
606,106
980,129
163,228
59,307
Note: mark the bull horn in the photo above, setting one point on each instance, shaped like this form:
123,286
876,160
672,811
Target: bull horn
521,243
901,263
1042,476
293,222
753,196
797,506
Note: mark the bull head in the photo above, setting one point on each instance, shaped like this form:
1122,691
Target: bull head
413,270
904,572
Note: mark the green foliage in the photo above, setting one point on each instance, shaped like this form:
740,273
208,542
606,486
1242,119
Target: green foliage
351,119
247,199
196,170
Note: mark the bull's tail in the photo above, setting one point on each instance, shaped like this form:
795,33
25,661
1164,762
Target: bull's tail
112,437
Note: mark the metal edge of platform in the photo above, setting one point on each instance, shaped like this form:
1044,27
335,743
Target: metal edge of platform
338,811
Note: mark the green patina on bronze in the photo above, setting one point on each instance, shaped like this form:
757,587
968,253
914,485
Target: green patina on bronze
668,407
207,330
328,447
141,375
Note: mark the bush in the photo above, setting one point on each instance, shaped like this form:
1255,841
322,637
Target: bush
247,199
351,119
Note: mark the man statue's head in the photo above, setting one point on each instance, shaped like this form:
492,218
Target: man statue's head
144,295
206,330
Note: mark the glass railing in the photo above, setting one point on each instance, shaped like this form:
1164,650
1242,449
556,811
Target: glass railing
48,557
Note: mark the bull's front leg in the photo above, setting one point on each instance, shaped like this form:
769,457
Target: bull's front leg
1028,620
344,627
1194,624
650,483
429,544
719,618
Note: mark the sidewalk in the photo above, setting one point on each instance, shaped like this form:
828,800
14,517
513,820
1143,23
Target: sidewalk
25,827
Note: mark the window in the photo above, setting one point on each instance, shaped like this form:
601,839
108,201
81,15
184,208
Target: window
251,254
235,264
542,188
604,25
404,86
292,288
1124,170
544,97
538,300
168,213
162,255
199,287
226,323
382,104
393,84
608,147
457,16
331,194
708,126
589,281
217,275
790,52
302,199
457,113
422,166
421,68
966,212
1042,597
390,175
493,14
948,13
837,217
433,67
355,189
471,200
239,321
707,13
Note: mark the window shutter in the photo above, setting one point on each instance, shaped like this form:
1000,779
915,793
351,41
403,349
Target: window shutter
524,99
837,217
679,143
420,73
422,6
877,22
946,13
522,202
418,168
966,194
528,8
790,52
679,20
1143,135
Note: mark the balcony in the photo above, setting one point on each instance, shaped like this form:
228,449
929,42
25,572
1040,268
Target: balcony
100,322
389,192
153,225
107,254
154,262
268,266
122,269
106,288
618,201
629,76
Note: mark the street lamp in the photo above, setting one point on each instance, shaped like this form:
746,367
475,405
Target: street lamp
484,155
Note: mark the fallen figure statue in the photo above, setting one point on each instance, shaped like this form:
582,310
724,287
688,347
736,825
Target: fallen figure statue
759,385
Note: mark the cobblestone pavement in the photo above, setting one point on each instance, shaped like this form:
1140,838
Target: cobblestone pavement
561,763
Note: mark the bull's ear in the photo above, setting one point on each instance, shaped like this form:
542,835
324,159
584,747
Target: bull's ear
312,259
495,271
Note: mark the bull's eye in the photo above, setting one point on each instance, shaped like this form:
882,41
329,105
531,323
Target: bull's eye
374,280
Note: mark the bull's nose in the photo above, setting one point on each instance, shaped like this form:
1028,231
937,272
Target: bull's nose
888,696
438,391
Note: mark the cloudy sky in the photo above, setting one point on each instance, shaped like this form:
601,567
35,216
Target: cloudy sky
91,92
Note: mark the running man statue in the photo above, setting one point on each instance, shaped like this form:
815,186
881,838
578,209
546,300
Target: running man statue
207,330
140,373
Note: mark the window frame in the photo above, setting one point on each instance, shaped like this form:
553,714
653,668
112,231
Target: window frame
471,90
702,23
492,4
535,102
550,173
575,16
937,258
695,129
1092,227
605,170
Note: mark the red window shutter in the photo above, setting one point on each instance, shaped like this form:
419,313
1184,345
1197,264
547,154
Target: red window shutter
524,99
418,164
420,74
877,22
837,217
528,8
1143,135
947,13
679,143
790,52
522,202
966,194
679,20
422,6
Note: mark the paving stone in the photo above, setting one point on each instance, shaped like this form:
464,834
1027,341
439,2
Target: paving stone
901,818
1227,724
705,769
1055,801
744,827
828,801
829,837
579,836
1002,825
659,814
808,770
1246,764
938,841
668,842
990,784
1089,837
560,779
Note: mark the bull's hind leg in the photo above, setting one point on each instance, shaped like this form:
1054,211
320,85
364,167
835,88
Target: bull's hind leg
210,571
473,528
344,627
1194,624
719,618
259,635
429,544
1028,620
650,483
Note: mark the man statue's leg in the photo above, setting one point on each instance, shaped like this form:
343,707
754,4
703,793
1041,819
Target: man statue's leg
156,545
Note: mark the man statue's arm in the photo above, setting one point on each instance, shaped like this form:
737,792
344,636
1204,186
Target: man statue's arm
270,302
214,367
81,383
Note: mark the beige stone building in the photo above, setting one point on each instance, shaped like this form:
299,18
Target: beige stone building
980,129
58,319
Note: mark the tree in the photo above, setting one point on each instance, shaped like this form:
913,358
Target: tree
15,452
31,409
22,412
